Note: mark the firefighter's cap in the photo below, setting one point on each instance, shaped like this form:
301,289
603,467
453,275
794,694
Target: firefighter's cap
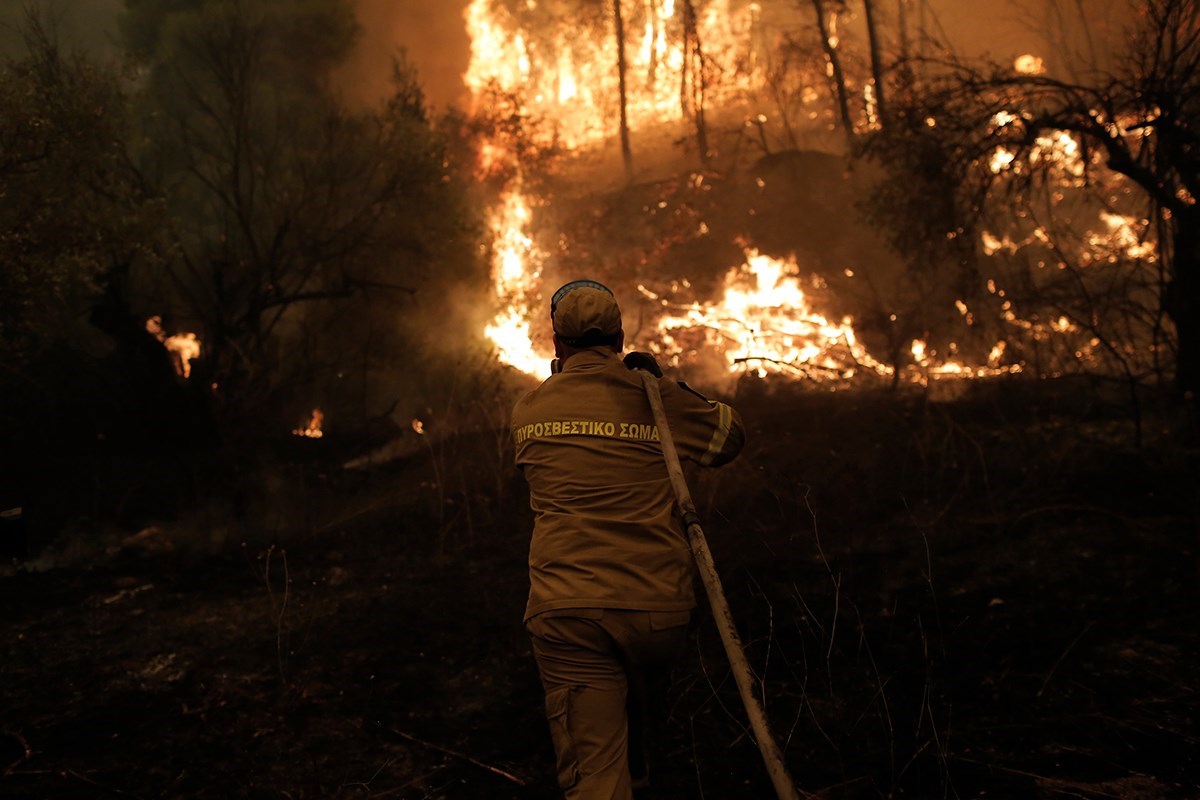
585,314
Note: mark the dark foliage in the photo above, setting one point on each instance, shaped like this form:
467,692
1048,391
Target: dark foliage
994,595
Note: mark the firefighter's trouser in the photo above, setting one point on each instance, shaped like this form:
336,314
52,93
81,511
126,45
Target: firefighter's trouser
600,669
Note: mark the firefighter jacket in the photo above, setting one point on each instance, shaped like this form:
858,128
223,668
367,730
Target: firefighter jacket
606,533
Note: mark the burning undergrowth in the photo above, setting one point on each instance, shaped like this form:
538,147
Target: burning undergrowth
782,250
775,258
827,303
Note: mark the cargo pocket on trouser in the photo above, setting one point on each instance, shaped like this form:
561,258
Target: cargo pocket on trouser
558,714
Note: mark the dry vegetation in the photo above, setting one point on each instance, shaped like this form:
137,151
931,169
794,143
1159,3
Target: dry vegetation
988,597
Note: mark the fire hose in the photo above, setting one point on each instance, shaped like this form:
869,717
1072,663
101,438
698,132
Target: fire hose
742,674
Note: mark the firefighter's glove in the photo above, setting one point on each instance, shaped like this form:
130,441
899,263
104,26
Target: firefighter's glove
641,360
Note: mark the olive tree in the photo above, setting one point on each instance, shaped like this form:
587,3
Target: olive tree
1042,151
287,206
73,211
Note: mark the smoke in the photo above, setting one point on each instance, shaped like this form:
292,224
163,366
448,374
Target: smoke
87,24
433,36
1068,34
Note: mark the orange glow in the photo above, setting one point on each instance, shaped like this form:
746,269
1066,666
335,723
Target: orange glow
918,351
1125,235
183,347
1029,64
765,324
569,79
313,429
516,275
766,317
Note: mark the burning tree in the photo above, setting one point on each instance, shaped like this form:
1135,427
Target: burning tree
1119,146
685,81
615,70
942,195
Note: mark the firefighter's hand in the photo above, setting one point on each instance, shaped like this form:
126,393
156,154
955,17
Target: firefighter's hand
640,360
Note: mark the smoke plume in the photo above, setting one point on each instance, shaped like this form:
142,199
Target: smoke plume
433,37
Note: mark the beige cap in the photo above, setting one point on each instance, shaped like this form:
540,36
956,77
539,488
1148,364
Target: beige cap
585,314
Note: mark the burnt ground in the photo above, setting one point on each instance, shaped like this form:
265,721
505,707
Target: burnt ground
993,596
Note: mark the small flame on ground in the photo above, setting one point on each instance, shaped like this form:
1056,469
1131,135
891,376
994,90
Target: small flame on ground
183,347
918,351
1030,64
418,426
313,429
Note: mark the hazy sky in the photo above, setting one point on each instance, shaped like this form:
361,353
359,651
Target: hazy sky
90,23
434,34
1007,28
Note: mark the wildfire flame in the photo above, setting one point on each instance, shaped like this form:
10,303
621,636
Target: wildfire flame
1058,149
1126,235
514,275
1030,64
569,79
313,429
183,347
765,323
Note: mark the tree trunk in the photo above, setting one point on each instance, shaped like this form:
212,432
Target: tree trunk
905,78
922,27
693,86
626,149
1181,301
655,32
876,61
838,77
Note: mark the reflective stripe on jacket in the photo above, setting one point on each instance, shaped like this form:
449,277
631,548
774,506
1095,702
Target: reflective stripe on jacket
605,531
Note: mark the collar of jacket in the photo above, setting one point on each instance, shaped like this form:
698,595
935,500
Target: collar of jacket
589,358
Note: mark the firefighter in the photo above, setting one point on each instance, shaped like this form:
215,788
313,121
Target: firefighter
610,569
